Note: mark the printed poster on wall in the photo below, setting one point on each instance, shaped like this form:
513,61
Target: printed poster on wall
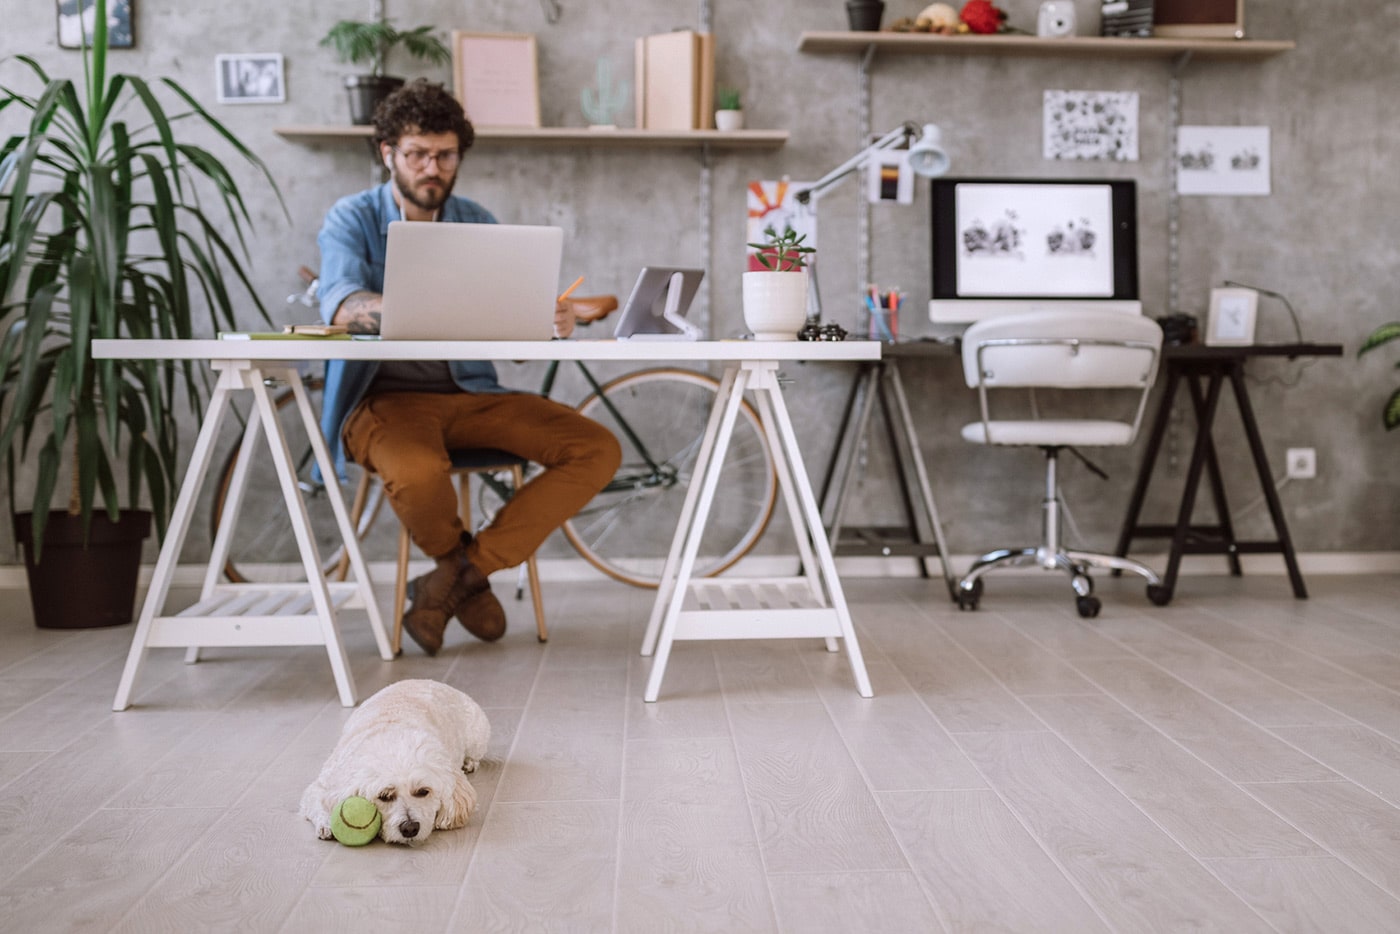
1222,160
1093,125
772,204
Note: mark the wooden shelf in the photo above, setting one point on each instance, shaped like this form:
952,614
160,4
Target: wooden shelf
566,136
915,43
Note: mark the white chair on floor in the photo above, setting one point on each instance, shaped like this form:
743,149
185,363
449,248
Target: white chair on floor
1107,354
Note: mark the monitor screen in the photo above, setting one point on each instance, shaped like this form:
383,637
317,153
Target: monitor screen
1008,244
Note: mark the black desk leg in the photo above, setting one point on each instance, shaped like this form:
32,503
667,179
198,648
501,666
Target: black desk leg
901,472
1217,485
842,436
1206,423
870,383
1149,462
1266,480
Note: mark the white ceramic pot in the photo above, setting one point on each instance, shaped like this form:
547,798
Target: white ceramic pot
727,121
775,304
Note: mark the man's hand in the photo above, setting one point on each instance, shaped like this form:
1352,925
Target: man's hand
360,312
563,319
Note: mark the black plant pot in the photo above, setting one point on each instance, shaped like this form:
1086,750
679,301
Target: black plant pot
366,91
865,15
77,587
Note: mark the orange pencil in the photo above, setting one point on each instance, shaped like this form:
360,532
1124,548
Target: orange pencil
570,290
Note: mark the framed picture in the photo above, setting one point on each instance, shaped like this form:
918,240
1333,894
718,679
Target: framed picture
76,19
495,76
250,78
1198,19
1232,313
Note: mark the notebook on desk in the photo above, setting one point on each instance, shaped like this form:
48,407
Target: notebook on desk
470,282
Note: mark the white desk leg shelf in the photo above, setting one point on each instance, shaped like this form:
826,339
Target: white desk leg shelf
812,605
303,613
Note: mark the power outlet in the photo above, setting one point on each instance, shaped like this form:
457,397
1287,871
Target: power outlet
1302,463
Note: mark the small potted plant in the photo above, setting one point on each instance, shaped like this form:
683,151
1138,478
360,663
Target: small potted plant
865,15
729,111
775,297
369,43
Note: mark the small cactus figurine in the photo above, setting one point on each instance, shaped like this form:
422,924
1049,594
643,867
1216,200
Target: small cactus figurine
600,105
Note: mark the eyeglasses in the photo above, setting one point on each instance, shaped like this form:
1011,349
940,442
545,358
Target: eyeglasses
418,159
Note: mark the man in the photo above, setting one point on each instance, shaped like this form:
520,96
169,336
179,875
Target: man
400,419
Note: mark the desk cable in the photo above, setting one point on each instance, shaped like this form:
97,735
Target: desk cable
1297,331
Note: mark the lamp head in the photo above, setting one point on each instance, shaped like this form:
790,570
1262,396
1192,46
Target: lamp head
926,154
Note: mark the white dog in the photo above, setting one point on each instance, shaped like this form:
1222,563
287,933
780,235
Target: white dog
407,749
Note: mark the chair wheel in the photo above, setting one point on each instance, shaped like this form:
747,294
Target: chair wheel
1088,606
969,597
1158,594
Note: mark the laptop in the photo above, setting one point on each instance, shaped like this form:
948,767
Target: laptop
470,282
656,308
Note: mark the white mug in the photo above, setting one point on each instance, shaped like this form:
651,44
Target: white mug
1056,19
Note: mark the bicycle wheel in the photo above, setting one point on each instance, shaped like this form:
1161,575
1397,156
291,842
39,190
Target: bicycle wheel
626,530
264,548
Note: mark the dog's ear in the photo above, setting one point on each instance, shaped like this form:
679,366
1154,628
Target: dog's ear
457,805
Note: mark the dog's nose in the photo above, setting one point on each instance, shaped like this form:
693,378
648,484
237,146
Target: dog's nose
409,828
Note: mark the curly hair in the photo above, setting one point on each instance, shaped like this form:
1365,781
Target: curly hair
421,107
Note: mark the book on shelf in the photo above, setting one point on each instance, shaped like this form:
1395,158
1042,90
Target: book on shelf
674,81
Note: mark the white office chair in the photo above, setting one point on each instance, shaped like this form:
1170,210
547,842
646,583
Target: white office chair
1100,351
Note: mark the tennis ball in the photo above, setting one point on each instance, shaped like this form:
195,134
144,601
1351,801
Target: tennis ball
355,821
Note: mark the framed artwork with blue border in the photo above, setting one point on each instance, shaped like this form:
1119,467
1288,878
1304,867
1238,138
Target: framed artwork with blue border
76,18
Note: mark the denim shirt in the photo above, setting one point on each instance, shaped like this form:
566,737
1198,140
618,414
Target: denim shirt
353,242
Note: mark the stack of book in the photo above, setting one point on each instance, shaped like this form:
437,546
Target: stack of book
675,80
1127,18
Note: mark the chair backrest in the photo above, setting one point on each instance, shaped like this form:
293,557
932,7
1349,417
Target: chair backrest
1077,349
1080,349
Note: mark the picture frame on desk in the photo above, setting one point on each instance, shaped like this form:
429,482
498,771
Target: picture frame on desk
1232,317
495,76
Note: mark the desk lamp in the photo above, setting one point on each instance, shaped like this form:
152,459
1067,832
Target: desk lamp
926,158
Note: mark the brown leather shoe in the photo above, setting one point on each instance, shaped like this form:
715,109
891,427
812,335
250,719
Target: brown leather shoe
436,596
481,613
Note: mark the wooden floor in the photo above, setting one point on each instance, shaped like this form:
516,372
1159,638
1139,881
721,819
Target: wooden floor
1229,763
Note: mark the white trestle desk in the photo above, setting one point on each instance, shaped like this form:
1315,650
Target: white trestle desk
306,613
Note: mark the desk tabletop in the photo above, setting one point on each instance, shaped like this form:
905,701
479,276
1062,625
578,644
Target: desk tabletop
1236,351
313,349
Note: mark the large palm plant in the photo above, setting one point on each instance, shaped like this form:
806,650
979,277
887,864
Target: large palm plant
108,229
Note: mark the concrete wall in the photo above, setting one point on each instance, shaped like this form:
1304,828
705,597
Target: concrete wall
1326,236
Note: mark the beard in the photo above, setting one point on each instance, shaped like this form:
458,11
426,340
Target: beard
428,193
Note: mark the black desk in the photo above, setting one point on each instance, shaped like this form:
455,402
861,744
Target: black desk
1205,370
879,379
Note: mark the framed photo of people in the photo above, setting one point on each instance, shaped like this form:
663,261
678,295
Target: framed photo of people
250,78
495,76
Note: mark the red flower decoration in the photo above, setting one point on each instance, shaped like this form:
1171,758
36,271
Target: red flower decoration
981,17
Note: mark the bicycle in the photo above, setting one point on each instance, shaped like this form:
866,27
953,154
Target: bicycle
658,414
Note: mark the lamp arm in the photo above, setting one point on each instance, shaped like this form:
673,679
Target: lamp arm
902,133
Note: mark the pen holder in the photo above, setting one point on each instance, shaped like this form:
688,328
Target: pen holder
882,314
884,325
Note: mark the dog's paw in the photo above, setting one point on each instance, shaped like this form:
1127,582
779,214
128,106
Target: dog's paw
323,831
469,765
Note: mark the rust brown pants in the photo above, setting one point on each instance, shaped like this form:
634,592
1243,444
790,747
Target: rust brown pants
405,436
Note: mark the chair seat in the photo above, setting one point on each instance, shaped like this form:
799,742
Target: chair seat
1051,432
